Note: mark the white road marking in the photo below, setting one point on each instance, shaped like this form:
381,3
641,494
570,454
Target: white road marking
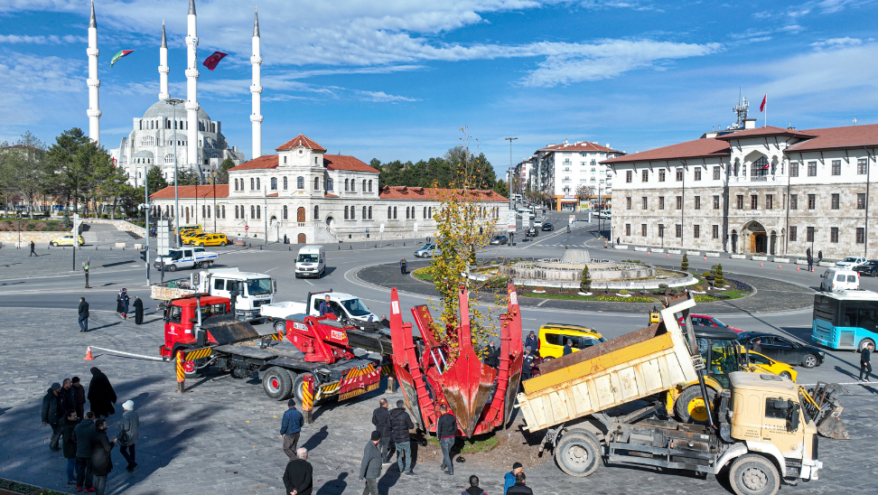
266,271
307,281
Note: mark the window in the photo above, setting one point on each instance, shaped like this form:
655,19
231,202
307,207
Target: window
696,231
394,213
627,229
754,201
644,176
353,185
697,202
740,202
697,174
661,202
258,212
774,412
329,184
812,169
794,201
406,212
300,182
370,212
316,212
345,212
716,173
389,212
285,212
643,230
679,202
258,187
794,169
835,201
861,235
679,231
833,234
759,168
861,166
716,202
661,175
644,201
353,213
370,186
812,201
346,185
252,211
769,201
285,183
364,186
224,211
424,213
236,212
274,183
861,201
628,175
836,167
316,183
714,231
627,203
793,234
252,187
679,174
661,228
809,236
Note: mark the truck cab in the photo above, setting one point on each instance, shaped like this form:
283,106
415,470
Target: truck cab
346,306
181,317
254,290
311,262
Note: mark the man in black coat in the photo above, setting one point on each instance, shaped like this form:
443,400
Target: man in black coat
298,476
101,394
52,412
401,424
519,487
527,364
381,420
68,424
531,341
101,460
67,396
78,397
446,429
84,433
138,310
124,300
370,467
865,362
83,315
493,357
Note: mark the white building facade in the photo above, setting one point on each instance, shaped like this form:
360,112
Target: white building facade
563,169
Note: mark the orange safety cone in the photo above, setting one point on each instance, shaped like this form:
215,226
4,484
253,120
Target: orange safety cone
761,265
669,255
798,268
88,356
647,253
705,258
779,268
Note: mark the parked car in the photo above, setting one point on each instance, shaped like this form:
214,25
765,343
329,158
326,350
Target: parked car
538,223
850,262
710,321
835,279
547,227
427,251
869,268
499,239
532,232
66,240
210,240
783,349
553,336
770,365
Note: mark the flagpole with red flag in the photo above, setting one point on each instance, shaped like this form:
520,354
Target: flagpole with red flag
764,108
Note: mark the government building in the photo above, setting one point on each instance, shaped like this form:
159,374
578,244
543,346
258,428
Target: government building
752,190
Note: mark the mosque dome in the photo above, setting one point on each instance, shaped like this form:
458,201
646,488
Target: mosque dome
163,109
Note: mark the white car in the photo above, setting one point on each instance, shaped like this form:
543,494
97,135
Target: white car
538,224
428,251
850,262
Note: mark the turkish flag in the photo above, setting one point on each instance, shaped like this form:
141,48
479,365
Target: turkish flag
214,59
761,107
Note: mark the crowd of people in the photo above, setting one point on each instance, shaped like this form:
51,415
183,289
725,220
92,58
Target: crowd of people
82,436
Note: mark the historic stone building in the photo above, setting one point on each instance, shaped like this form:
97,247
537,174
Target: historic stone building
751,190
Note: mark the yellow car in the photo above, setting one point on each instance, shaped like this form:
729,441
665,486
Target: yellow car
553,336
66,240
764,362
210,240
190,236
190,229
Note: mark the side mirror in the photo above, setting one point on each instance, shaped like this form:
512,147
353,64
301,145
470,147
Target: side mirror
793,424
274,285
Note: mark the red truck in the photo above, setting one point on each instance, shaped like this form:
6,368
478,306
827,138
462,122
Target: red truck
203,328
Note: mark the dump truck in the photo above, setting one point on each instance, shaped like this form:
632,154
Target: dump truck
253,290
758,434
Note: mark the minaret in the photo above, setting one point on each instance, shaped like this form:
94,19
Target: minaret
163,67
192,91
256,90
94,112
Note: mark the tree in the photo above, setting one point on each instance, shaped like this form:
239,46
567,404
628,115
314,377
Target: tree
719,280
585,192
155,181
222,175
187,177
585,280
684,265
501,189
75,158
27,169
438,171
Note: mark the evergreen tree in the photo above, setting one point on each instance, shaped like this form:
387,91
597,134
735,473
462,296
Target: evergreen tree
684,266
155,181
719,280
222,175
585,280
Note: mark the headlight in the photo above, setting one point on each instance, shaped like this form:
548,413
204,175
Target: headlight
822,353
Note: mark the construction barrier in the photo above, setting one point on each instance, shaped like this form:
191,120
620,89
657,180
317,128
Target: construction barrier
308,396
181,375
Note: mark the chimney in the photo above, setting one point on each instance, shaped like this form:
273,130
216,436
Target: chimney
749,123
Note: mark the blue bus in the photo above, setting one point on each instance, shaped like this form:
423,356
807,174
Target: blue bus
845,319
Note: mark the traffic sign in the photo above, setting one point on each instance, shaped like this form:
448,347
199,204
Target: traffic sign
246,227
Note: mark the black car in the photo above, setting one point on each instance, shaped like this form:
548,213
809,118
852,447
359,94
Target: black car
532,232
869,268
548,226
500,239
784,349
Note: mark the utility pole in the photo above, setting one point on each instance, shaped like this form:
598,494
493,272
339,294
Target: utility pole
510,139
146,205
174,102
215,211
265,211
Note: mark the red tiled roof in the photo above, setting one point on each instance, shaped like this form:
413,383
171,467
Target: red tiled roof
436,194
329,195
344,162
764,131
272,195
852,136
206,191
301,140
698,148
578,146
263,162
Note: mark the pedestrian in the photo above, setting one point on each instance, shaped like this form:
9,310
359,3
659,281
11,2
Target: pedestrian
810,262
527,364
101,395
85,270
370,468
291,428
129,430
298,476
401,425
124,300
68,425
493,357
509,478
474,487
531,341
325,307
83,315
51,413
138,310
756,345
78,396
84,433
617,241
865,362
568,347
32,247
381,420
519,487
384,321
819,256
67,396
402,269
446,429
119,303
101,460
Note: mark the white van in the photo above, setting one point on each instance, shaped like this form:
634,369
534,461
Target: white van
311,262
836,279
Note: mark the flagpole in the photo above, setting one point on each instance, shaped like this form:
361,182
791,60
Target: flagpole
765,123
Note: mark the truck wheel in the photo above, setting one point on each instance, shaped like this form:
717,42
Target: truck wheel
578,453
863,344
753,474
277,383
299,382
690,407
172,268
280,326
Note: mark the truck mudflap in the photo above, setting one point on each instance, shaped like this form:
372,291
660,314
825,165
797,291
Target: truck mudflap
824,408
356,382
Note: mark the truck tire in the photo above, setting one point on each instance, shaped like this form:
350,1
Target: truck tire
863,344
578,453
172,268
280,326
297,386
753,474
277,383
689,407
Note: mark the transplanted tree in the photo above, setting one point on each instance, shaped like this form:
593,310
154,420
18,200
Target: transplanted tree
585,280
719,279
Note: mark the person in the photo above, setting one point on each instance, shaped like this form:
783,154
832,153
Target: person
509,478
68,425
384,321
52,412
78,396
402,269
400,425
101,395
138,311
381,420
819,256
298,476
85,270
474,487
291,428
84,433
568,229
617,240
119,303
519,487
101,460
756,345
68,400
129,430
83,315
865,362
32,247
446,429
325,307
527,364
531,341
370,468
124,300
568,347
493,357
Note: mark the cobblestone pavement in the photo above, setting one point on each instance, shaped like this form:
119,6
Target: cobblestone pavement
222,437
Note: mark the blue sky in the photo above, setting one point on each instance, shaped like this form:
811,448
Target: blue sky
397,79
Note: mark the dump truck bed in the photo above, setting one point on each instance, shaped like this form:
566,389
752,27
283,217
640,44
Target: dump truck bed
631,367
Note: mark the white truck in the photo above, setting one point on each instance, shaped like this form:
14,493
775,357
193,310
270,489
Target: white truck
311,262
347,307
254,289
185,257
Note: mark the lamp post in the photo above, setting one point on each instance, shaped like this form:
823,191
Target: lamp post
174,102
215,212
510,139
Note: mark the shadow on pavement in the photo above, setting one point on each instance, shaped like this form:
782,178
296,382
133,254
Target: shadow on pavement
334,487
316,439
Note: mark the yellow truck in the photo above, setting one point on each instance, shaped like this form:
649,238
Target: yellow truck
758,434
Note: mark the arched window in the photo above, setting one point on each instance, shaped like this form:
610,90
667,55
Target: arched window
285,212
353,185
430,212
169,159
389,212
316,212
364,185
425,212
345,212
236,212
346,185
258,212
224,212
406,212
353,213
252,211
370,213
364,213
252,184
300,182
316,183
285,183
394,213
274,183
759,168
285,160
258,187
329,184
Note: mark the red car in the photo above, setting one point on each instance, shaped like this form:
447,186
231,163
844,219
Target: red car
710,321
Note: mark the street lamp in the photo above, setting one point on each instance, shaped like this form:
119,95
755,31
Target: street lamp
215,212
174,102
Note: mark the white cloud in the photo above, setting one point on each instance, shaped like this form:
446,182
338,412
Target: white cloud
26,78
837,43
382,97
41,40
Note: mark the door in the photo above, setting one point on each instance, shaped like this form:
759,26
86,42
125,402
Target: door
301,237
300,215
219,288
